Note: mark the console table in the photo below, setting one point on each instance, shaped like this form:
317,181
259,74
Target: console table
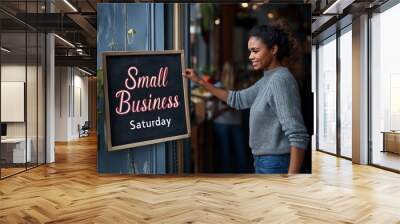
391,141
13,150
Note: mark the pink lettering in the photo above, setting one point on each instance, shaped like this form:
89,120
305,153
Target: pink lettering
153,81
165,75
143,82
176,101
132,78
124,96
163,102
135,80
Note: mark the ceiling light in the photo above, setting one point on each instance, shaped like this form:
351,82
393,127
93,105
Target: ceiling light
217,21
338,6
70,5
245,5
5,50
65,41
84,71
331,7
78,44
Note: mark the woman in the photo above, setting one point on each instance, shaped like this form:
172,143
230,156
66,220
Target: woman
278,137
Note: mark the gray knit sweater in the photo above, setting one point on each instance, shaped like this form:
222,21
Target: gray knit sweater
276,122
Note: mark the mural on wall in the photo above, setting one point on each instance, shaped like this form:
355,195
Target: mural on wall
146,99
127,27
146,27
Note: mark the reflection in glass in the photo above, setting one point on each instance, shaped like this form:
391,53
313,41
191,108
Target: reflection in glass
385,87
327,96
346,94
23,85
41,99
314,86
13,84
31,98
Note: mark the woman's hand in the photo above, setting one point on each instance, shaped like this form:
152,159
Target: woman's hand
296,159
192,75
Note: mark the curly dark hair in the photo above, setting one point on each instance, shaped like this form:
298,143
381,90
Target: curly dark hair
273,35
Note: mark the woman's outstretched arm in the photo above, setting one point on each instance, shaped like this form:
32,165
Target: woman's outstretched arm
221,94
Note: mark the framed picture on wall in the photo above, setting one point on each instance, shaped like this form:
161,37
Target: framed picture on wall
12,101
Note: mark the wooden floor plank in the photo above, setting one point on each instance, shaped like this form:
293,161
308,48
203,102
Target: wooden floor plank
71,191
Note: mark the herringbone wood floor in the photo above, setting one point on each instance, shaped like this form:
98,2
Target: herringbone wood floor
71,191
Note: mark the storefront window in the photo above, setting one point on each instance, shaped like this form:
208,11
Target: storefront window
327,95
346,93
385,89
314,90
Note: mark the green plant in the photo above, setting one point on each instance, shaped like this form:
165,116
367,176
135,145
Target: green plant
207,14
209,70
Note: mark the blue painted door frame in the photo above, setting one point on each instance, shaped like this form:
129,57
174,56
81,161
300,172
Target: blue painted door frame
128,27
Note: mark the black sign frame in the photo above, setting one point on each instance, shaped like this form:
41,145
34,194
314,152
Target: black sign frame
107,105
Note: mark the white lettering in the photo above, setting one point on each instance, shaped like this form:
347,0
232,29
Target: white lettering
132,123
159,122
169,121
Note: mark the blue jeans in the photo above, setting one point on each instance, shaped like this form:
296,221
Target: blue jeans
272,164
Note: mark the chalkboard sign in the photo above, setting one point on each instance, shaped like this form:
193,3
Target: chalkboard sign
146,98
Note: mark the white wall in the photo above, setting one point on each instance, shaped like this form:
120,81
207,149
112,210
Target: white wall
33,105
61,103
17,73
71,102
12,73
